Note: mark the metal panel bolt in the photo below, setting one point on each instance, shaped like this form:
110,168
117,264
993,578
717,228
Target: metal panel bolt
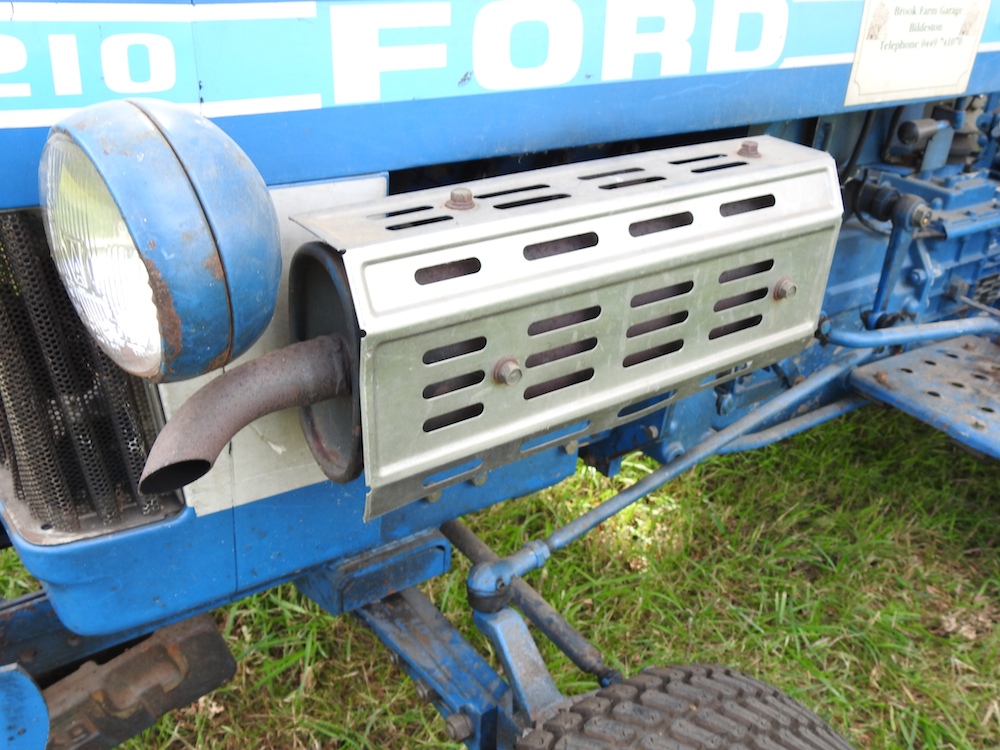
459,727
748,150
921,216
433,497
650,431
507,371
571,447
479,480
785,288
425,692
460,200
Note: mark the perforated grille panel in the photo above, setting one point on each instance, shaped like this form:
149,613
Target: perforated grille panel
73,426
603,285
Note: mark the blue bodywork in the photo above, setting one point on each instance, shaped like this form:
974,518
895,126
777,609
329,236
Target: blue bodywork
275,77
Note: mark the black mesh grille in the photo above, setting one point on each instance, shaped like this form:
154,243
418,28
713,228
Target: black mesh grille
74,428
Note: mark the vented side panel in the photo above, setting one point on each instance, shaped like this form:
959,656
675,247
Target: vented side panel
73,433
600,285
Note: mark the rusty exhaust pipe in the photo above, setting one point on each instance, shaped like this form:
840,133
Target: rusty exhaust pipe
297,375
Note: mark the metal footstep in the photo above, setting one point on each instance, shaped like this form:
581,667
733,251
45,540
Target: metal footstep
951,385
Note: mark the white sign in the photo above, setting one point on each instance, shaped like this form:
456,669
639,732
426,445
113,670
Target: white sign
915,49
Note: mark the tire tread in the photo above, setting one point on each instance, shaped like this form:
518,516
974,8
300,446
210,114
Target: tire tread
696,707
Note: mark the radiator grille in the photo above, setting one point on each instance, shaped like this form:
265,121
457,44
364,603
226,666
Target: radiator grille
74,428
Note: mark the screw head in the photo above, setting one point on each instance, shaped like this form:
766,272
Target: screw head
748,150
458,727
460,200
785,288
507,371
651,432
425,692
479,480
571,447
433,497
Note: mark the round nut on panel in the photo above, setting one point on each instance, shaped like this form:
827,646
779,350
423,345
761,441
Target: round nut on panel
571,447
458,727
479,479
460,200
507,371
785,288
433,497
748,150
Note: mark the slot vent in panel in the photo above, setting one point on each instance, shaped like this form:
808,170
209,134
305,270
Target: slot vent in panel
457,349
694,159
612,173
558,384
740,299
417,223
717,167
654,352
562,245
456,383
658,295
735,327
656,324
745,206
560,352
742,272
453,417
646,404
531,201
631,183
564,321
660,224
400,212
445,271
512,191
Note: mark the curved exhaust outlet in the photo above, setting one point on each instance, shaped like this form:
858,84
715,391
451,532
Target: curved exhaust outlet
297,375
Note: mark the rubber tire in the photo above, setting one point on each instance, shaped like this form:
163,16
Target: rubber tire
685,708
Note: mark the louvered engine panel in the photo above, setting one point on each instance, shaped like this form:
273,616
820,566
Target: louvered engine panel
610,288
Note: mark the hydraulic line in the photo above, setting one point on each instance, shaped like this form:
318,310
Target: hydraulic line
914,334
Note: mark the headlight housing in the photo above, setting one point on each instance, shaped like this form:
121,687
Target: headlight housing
164,235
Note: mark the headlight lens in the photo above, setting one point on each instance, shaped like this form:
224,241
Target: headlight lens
97,259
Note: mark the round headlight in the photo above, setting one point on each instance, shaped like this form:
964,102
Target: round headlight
97,259
164,235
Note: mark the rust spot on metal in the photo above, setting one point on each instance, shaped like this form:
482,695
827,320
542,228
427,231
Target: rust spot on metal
214,266
166,315
220,360
152,244
882,379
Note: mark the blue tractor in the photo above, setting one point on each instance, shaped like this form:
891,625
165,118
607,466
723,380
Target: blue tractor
289,287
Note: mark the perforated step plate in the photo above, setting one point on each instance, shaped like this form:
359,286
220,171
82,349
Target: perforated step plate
952,385
608,283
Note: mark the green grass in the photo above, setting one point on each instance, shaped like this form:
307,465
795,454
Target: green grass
855,566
